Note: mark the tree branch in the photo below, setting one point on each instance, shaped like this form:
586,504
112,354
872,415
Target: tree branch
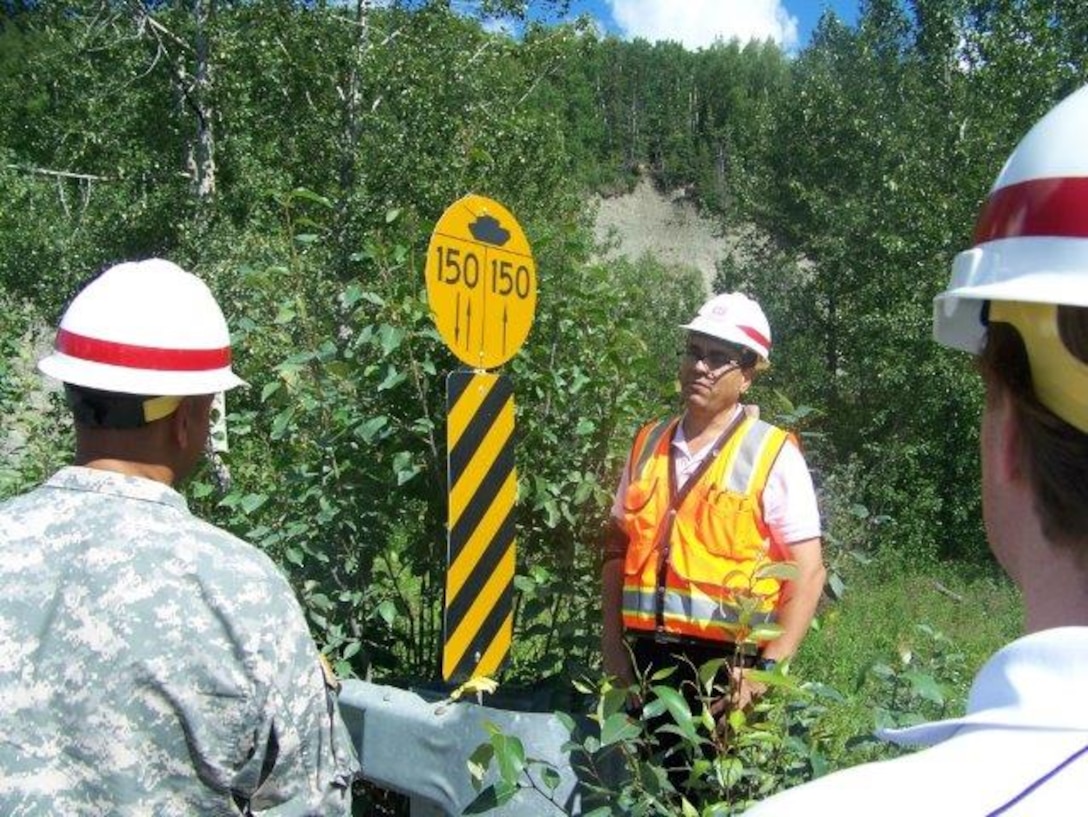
63,174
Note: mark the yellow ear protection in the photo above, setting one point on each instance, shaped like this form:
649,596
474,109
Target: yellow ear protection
102,409
1059,377
155,408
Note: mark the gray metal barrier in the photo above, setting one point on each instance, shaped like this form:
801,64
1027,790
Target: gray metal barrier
421,748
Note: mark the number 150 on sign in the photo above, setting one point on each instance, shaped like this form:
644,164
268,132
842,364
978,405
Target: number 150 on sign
458,267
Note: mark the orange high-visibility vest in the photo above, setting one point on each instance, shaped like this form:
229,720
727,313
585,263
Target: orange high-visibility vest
693,555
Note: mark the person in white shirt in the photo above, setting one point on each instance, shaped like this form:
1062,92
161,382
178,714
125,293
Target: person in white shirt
1018,300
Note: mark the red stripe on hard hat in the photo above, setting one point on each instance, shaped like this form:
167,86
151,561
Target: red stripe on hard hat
1035,208
141,357
756,336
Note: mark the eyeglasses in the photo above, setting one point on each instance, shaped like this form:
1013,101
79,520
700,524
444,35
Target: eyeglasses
713,358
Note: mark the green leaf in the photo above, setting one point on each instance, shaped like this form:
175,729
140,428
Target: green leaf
708,672
405,467
387,612
618,727
251,502
369,430
491,798
390,338
510,754
836,586
286,314
309,195
925,686
351,295
392,379
677,707
765,632
612,700
201,490
479,761
269,389
550,776
783,571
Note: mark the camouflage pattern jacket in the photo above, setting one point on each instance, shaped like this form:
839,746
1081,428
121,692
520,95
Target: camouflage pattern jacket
151,663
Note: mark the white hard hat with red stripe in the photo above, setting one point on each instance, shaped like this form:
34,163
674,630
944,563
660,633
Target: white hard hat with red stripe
146,328
735,318
1030,254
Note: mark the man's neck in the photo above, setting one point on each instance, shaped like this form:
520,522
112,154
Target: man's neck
700,429
146,470
1056,591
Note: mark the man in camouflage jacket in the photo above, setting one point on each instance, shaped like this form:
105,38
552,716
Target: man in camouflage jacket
151,663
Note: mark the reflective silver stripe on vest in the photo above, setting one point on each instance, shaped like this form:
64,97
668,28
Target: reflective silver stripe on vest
744,466
653,438
700,612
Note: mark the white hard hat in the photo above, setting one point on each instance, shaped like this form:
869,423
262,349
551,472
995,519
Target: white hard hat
1030,256
1031,239
736,318
146,328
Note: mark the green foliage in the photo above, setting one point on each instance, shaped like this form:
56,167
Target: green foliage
922,684
337,450
340,137
877,620
618,757
33,432
792,734
886,139
338,447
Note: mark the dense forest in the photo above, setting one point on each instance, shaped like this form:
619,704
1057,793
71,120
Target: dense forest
297,155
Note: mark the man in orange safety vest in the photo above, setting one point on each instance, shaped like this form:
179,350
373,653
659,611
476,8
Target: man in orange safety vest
709,505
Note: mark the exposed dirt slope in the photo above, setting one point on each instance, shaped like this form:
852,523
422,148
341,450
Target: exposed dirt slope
668,227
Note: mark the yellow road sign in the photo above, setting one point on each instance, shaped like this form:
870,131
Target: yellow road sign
481,282
479,620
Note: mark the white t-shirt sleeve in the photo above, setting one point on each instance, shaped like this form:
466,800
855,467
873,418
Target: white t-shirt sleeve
789,500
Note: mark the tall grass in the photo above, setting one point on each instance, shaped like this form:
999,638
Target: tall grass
943,620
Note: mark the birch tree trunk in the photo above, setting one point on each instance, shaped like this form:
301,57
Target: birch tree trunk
200,99
352,96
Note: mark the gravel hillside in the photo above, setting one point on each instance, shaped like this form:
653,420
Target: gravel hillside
669,228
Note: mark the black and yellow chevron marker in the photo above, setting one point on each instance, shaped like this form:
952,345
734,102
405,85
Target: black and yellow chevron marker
480,555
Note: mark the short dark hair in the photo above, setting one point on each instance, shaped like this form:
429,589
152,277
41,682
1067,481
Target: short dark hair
1054,453
92,408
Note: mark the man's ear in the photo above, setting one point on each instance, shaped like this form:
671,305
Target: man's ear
182,422
749,376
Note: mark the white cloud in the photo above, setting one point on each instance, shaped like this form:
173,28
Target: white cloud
698,23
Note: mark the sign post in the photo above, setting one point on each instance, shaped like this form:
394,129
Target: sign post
481,285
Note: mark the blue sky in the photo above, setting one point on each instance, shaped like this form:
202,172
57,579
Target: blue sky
695,23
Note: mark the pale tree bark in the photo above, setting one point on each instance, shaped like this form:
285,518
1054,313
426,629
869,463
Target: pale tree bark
194,90
200,99
352,96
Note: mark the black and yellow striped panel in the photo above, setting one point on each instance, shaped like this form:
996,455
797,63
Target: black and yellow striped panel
480,551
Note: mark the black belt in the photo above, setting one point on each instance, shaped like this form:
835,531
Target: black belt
746,652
